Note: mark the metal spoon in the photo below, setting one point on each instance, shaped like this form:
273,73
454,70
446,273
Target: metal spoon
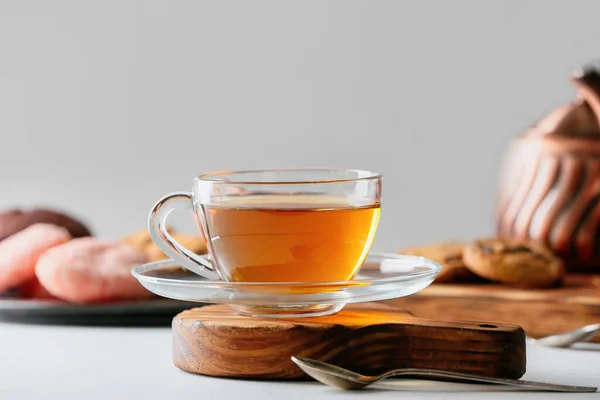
569,338
348,380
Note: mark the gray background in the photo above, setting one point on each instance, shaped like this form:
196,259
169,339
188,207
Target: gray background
107,105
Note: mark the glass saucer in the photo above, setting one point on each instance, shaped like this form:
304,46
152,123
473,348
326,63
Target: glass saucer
381,277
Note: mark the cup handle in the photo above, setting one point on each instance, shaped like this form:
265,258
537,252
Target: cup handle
158,232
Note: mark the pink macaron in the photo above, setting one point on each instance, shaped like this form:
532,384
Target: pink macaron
34,290
20,252
90,270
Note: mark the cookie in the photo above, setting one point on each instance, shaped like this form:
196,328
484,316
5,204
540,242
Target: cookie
20,252
449,256
15,220
91,270
513,262
142,241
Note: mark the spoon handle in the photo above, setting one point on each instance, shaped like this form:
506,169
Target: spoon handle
429,374
566,339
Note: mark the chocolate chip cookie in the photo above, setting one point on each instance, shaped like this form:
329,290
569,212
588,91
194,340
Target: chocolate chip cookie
142,241
514,262
450,256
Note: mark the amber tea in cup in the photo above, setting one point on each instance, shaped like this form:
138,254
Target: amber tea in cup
290,239
278,225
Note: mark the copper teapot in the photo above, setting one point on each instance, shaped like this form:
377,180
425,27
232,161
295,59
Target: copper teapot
550,183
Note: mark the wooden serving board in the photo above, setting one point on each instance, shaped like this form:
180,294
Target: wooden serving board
539,312
368,338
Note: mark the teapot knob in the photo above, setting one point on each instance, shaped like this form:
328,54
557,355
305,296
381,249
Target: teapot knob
587,81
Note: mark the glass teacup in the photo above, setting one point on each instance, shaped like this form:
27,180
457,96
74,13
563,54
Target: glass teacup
301,225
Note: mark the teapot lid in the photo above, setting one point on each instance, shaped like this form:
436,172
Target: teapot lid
581,117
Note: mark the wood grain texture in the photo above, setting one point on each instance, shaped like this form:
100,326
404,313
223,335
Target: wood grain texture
368,338
540,312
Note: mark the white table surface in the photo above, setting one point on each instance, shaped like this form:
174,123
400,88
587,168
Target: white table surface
61,362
